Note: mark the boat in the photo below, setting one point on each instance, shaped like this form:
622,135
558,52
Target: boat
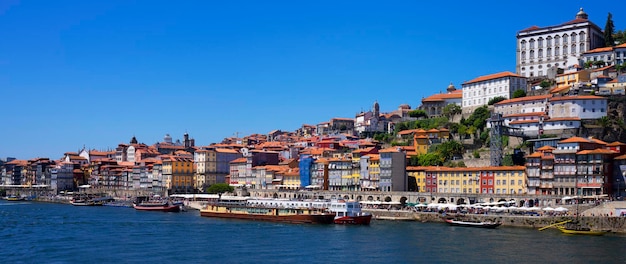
575,228
271,210
162,206
14,198
349,212
480,224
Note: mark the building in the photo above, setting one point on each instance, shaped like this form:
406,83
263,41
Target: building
542,48
434,104
608,56
478,91
393,170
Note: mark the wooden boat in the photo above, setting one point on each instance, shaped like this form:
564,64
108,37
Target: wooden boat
161,206
478,224
349,212
574,228
14,198
295,212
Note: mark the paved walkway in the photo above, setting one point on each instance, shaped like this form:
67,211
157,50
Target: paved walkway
604,209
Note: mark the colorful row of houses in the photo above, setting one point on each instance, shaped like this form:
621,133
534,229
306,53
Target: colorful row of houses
572,166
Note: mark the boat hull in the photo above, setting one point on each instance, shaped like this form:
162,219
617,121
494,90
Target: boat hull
271,215
354,220
472,224
161,208
582,232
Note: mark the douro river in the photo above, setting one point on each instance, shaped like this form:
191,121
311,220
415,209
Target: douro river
57,233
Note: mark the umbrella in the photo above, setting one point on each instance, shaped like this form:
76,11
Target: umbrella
548,209
561,209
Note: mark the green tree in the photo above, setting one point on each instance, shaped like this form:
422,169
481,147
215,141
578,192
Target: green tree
220,188
609,30
519,93
545,84
430,159
507,160
620,36
451,110
418,113
447,150
588,64
496,100
599,63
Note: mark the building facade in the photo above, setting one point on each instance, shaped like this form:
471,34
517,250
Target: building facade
542,48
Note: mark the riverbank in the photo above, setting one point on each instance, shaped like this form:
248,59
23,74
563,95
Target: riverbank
615,224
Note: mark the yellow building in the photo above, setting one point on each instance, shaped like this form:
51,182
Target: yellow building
496,180
181,172
417,174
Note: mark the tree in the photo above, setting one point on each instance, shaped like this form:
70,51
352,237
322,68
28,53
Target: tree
620,36
609,30
545,84
417,113
599,63
519,93
430,159
451,110
588,64
220,188
496,100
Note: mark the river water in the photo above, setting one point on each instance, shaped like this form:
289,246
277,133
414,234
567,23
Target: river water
33,232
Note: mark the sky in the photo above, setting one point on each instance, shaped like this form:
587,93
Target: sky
94,74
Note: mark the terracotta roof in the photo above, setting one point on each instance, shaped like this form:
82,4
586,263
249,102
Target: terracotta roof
559,89
575,140
433,131
239,160
493,76
524,99
596,151
457,94
407,132
615,144
604,49
623,45
620,157
546,148
603,68
526,114
530,29
524,121
389,150
488,168
598,141
557,119
576,97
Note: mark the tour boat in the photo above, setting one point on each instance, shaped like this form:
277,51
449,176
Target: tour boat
575,228
349,212
487,224
14,198
272,210
162,206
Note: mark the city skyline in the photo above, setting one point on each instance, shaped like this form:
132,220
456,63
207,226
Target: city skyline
91,74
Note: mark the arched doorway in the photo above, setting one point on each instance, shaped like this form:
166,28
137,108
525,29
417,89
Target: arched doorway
359,198
460,201
370,198
387,199
275,195
442,200
346,197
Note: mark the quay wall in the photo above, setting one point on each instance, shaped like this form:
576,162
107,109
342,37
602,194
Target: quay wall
615,224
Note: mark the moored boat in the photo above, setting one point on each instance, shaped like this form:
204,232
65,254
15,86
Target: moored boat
284,211
162,206
574,228
349,212
479,224
14,198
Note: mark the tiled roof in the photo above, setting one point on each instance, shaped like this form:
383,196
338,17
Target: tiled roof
600,151
575,140
493,76
546,148
526,114
457,94
615,144
558,119
534,155
524,99
604,49
576,97
559,89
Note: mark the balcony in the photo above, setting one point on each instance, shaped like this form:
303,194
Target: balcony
534,184
546,186
546,176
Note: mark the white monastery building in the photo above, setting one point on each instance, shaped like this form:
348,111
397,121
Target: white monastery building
479,91
542,48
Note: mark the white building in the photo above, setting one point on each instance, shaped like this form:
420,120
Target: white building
541,48
609,55
480,90
545,113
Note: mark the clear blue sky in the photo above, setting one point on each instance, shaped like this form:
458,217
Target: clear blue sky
95,73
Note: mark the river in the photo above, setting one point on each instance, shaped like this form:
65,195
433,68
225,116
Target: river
32,232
